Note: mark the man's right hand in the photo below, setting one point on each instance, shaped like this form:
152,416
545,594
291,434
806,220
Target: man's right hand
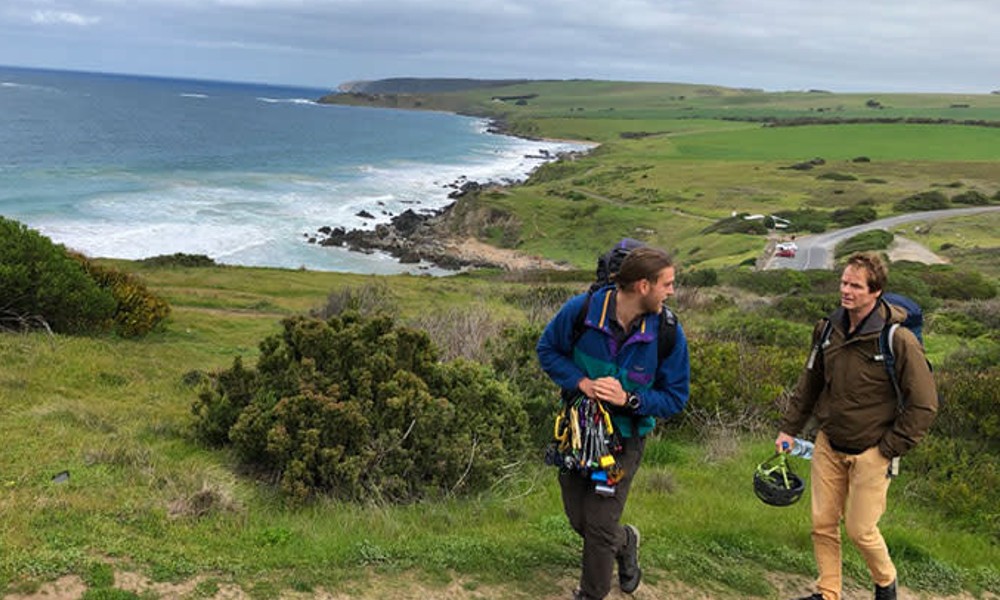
784,442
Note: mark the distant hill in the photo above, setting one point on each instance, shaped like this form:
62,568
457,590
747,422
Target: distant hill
416,85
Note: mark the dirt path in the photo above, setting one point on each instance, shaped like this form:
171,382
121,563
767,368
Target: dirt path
406,587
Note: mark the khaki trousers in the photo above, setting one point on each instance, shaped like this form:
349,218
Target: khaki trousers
852,487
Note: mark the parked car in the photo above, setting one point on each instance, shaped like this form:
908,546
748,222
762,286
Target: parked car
786,249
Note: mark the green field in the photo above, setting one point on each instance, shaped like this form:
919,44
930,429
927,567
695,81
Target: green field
673,158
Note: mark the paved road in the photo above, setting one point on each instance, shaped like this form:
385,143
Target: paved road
816,251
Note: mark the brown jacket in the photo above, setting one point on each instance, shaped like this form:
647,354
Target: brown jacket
851,393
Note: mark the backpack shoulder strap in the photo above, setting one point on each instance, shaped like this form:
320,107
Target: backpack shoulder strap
820,343
666,338
888,358
580,321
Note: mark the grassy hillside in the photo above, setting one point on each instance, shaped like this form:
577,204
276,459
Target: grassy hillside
144,497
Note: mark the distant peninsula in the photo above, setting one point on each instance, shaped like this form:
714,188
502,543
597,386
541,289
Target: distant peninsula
418,85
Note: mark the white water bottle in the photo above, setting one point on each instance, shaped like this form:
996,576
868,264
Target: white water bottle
802,448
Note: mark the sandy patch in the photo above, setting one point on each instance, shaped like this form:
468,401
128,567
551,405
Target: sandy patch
473,250
906,249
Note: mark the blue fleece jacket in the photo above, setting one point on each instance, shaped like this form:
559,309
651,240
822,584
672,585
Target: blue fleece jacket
663,388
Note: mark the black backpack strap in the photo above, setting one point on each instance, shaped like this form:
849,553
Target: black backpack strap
666,338
579,323
888,358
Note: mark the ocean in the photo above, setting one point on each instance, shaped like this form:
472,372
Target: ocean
131,167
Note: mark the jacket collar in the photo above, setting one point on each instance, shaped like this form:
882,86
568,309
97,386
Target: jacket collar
872,323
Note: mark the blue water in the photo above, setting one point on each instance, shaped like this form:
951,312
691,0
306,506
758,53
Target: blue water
131,167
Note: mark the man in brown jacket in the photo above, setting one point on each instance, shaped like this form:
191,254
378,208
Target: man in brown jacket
863,426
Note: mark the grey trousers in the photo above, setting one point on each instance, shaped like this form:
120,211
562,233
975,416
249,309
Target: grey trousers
596,519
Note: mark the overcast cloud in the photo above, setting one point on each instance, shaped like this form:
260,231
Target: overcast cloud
839,45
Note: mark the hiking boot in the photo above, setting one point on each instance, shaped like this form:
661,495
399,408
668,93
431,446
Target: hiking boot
885,593
629,573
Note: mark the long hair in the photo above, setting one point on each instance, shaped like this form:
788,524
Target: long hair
642,263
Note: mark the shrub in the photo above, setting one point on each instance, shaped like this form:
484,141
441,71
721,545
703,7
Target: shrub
805,219
986,312
463,332
876,239
956,478
737,224
856,215
805,308
41,285
137,310
514,359
957,323
397,426
930,200
178,259
949,283
972,197
772,282
760,331
698,278
734,384
370,298
540,302
835,176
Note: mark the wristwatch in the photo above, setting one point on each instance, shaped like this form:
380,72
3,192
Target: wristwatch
632,401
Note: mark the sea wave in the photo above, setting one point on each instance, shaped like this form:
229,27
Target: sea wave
287,100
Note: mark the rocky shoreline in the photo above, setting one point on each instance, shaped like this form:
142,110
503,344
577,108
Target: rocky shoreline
426,236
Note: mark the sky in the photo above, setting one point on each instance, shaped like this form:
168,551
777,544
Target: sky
776,45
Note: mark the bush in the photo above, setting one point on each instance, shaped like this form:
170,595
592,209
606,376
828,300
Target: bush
178,259
949,283
856,215
540,302
698,278
514,359
805,308
876,239
931,200
137,310
835,176
368,299
41,285
805,219
737,224
971,197
765,283
397,426
734,384
956,478
956,323
760,331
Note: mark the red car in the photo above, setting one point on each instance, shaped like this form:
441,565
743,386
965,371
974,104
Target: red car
786,250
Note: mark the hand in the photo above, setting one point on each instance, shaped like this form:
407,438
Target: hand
609,389
784,442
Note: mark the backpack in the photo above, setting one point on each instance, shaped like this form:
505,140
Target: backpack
607,265
914,321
